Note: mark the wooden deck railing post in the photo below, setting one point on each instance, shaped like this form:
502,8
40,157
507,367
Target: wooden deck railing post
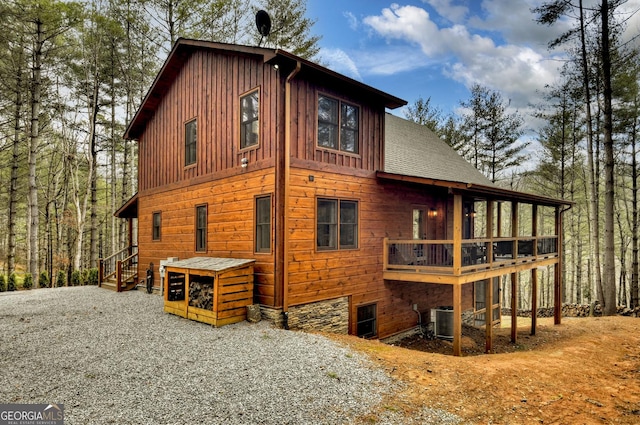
118,275
385,254
457,235
100,272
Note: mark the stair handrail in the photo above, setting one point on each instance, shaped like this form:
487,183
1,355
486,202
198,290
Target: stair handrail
108,266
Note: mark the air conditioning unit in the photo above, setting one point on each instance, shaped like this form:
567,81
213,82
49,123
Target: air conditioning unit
442,319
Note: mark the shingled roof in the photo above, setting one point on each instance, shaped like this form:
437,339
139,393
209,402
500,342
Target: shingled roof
413,150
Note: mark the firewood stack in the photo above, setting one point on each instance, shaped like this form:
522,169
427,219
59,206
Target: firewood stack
201,295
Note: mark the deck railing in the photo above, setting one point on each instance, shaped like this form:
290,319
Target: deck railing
437,256
120,267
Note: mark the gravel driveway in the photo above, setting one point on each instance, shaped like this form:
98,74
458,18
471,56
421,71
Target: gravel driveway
117,358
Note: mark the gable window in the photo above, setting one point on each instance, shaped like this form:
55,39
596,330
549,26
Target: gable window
190,142
249,119
156,225
338,124
201,228
367,321
263,224
337,224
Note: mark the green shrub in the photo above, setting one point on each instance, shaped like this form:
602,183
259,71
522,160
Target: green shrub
3,283
85,277
27,283
43,281
11,283
92,276
61,279
76,278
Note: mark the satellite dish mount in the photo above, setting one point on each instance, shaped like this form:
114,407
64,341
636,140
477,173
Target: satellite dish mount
263,23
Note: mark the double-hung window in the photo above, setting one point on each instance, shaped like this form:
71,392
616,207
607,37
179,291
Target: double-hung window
201,228
338,124
190,142
263,224
337,224
156,226
249,119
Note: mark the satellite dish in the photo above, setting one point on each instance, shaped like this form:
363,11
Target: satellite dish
263,22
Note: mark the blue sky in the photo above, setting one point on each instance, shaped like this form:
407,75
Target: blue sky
439,48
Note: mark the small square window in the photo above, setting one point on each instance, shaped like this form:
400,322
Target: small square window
249,119
190,142
366,323
156,226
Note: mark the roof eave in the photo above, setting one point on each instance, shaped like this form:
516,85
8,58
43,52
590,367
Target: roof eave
477,189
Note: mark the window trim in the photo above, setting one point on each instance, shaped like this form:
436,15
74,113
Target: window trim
259,250
338,225
242,123
187,164
339,124
374,320
153,226
197,229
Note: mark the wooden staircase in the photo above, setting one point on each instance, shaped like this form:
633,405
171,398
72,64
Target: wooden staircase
119,272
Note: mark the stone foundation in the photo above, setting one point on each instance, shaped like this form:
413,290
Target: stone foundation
322,316
273,315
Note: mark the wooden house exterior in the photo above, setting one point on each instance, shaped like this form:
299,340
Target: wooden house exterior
255,153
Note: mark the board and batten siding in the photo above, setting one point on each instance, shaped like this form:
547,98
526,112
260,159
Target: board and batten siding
208,88
230,225
385,210
304,127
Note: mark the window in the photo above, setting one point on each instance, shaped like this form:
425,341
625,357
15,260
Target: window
249,114
329,227
190,142
367,321
338,125
263,224
156,225
201,228
419,231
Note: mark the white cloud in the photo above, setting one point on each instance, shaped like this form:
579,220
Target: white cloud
339,61
515,70
447,10
352,20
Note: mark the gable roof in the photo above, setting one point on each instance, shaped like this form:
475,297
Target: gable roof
413,153
412,149
183,48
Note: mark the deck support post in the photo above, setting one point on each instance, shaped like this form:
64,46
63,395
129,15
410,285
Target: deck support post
534,300
557,272
514,307
457,320
488,316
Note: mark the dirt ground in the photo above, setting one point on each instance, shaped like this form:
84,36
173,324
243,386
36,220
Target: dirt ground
584,371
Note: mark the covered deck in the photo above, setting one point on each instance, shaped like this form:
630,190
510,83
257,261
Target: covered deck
490,233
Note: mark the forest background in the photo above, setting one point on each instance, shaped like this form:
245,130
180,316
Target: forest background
72,75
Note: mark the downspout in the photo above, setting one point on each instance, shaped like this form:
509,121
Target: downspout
287,190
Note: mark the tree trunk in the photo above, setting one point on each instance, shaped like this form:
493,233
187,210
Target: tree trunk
15,165
634,215
609,278
34,219
594,229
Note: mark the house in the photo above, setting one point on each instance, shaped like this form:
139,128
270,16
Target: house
359,222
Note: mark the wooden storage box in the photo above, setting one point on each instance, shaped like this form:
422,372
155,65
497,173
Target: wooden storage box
209,290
